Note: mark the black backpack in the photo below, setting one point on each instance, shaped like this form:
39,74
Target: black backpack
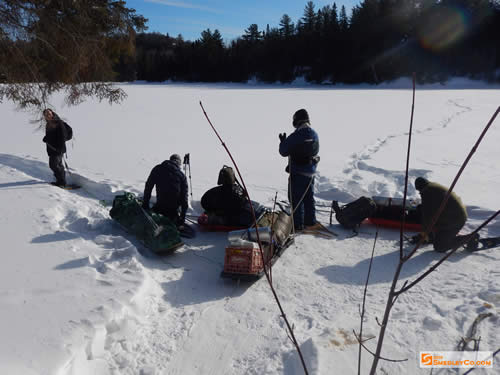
226,176
68,131
352,214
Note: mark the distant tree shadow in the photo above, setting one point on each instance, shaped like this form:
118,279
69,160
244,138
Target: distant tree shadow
41,171
75,263
54,237
33,168
21,184
382,268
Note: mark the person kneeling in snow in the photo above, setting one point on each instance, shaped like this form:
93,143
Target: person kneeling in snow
171,190
444,235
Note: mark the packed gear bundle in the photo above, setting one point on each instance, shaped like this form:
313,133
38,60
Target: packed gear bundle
382,211
352,214
243,259
226,176
155,231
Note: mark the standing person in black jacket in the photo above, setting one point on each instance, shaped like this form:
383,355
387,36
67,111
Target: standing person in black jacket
171,190
55,138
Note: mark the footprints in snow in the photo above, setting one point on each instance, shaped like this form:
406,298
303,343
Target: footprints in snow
391,180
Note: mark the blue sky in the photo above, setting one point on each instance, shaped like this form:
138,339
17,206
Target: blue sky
230,17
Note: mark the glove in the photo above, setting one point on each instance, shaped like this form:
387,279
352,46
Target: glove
282,137
44,139
421,236
180,221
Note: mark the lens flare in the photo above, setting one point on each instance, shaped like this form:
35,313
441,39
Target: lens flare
444,28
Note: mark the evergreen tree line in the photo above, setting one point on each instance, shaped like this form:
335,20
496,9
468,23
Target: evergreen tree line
380,41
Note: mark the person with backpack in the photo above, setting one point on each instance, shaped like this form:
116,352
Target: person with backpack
171,190
302,148
444,235
57,132
226,204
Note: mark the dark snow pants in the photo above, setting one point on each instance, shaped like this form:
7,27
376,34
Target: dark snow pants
446,239
305,210
56,164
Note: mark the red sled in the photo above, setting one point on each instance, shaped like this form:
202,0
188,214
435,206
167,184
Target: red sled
388,214
394,224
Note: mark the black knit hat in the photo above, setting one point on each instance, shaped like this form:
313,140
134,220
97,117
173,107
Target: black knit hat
421,183
176,159
300,116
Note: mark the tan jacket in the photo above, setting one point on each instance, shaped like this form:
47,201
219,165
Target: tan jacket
454,213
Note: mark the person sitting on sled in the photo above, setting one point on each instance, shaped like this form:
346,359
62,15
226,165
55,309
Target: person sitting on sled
444,235
227,204
171,190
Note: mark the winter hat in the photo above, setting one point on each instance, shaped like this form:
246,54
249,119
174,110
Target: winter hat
299,117
176,159
421,183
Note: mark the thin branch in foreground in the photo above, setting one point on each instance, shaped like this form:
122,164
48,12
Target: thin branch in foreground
392,292
364,301
403,216
455,180
433,268
373,354
266,272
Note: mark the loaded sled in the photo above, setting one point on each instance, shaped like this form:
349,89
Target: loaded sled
243,259
382,211
388,213
155,231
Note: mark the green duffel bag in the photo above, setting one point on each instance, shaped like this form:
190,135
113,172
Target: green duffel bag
155,231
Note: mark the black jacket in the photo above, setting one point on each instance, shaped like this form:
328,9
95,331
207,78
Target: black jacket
229,203
55,137
171,189
224,200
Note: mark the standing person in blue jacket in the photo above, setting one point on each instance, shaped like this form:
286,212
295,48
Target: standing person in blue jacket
302,147
171,190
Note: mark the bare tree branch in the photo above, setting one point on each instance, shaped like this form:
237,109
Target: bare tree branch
364,301
393,294
433,268
266,271
64,45
361,344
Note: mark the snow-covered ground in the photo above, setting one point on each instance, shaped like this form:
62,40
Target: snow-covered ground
78,295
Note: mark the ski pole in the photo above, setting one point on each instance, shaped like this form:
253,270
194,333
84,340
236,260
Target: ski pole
187,167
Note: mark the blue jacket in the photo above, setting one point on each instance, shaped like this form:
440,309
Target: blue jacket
302,145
